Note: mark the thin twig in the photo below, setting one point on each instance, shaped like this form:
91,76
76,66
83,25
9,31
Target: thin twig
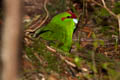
103,3
61,57
38,57
47,15
105,7
51,49
68,62
119,23
29,61
35,22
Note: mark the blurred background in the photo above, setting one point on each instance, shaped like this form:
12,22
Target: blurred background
95,50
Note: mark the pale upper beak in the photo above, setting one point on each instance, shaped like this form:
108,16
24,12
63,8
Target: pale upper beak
75,21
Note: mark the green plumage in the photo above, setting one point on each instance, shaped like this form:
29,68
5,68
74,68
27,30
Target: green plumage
58,32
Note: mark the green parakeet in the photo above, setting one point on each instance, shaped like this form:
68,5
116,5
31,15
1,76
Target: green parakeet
59,31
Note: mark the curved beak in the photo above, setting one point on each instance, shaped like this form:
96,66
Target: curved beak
75,21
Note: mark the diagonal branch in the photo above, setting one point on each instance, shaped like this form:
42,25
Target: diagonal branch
105,7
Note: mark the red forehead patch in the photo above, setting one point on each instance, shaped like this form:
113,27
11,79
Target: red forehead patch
72,14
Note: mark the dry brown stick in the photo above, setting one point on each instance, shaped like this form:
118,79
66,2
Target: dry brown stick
35,22
103,3
61,57
11,36
39,58
111,12
47,15
26,58
119,25
105,7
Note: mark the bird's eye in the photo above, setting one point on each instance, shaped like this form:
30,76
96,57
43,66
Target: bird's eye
63,18
68,16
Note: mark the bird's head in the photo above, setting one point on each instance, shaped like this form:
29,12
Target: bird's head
68,18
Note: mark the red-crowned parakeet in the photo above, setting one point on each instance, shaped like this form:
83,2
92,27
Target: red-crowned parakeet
59,31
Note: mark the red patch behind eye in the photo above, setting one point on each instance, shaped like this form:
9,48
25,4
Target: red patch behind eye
72,14
63,18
